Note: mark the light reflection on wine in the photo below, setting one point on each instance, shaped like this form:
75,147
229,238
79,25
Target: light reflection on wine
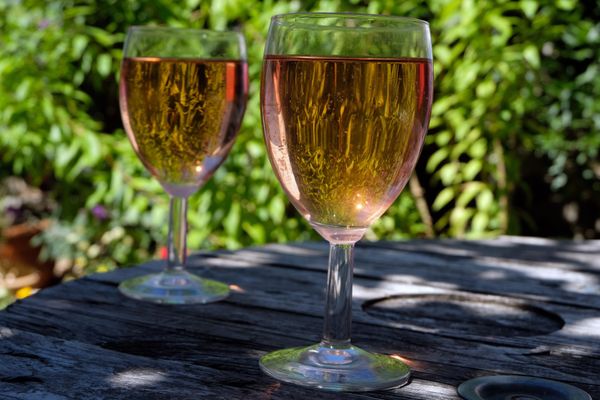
344,134
182,115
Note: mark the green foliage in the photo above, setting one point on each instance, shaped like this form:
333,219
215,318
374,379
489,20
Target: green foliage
6,298
514,80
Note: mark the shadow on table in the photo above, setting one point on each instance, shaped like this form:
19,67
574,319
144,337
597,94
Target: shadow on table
127,349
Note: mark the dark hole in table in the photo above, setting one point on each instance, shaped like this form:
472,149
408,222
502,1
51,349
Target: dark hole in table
471,313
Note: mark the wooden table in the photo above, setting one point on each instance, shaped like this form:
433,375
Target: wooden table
454,309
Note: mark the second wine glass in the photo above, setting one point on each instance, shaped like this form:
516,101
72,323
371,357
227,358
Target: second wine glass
182,96
345,103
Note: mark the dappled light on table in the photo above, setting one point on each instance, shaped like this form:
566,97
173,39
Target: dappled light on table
136,378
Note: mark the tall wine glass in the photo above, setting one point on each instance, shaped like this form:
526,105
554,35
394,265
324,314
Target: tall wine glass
345,104
182,95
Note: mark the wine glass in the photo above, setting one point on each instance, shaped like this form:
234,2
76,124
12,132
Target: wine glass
182,95
345,104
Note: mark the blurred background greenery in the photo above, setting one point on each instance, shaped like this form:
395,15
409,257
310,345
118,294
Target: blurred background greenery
512,147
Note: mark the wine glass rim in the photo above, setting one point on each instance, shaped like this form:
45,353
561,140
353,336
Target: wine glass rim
280,18
177,30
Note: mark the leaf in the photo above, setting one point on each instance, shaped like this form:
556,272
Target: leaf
47,107
218,18
532,56
23,89
480,222
104,64
55,134
502,28
436,158
566,5
92,147
196,238
471,169
443,138
588,76
478,149
101,36
443,198
466,74
277,209
255,231
459,217
116,184
64,155
448,173
442,105
529,8
443,54
485,199
232,221
486,88
468,193
79,44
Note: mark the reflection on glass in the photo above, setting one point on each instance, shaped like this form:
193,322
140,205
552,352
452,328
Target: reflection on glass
182,95
345,104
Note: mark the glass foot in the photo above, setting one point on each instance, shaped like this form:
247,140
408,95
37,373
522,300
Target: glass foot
174,287
347,368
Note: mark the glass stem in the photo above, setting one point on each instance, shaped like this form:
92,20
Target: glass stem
177,233
338,302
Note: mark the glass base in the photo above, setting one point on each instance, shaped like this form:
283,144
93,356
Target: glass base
347,368
516,387
174,287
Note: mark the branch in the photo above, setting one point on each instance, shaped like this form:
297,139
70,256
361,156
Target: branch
419,195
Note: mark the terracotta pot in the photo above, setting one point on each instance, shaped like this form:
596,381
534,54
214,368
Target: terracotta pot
19,260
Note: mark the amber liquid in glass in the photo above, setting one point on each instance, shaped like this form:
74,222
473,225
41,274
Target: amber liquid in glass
343,134
182,115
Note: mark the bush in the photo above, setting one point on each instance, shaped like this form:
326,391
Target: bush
515,94
514,123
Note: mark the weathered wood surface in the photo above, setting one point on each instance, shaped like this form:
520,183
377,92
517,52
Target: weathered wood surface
454,309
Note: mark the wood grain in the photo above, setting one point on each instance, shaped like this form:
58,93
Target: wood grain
454,309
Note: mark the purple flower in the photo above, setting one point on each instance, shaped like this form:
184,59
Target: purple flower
100,212
43,24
